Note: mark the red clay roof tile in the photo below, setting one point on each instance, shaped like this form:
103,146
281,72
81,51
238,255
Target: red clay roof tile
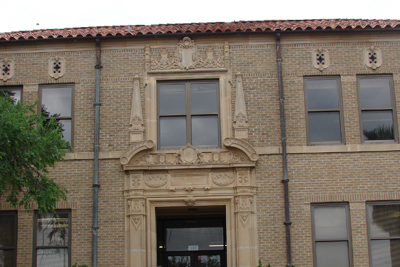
216,27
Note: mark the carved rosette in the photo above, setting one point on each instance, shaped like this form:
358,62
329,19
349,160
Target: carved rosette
320,58
223,179
186,57
156,180
7,67
373,57
56,67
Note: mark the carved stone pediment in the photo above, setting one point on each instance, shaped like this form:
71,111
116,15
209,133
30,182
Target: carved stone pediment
186,56
236,152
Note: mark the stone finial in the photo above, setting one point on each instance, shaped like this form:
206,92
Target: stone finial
320,58
7,67
136,121
373,57
240,116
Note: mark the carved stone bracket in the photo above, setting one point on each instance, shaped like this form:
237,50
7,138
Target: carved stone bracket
242,145
186,57
56,67
373,57
190,201
240,118
136,130
7,67
134,149
320,58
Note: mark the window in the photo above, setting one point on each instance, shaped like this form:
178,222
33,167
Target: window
52,239
57,101
324,114
384,234
376,104
331,235
14,92
8,238
188,112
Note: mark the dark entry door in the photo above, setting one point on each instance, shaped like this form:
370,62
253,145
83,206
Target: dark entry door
192,243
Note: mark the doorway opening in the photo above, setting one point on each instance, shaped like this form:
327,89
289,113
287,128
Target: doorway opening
191,236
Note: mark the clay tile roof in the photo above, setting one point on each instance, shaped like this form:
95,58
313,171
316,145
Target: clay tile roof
215,27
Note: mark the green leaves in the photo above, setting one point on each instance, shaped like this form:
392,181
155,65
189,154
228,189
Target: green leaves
28,146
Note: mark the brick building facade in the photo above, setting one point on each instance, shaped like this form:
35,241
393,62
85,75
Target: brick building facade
193,168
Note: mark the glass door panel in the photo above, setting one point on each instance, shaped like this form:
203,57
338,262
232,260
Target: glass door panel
179,261
209,261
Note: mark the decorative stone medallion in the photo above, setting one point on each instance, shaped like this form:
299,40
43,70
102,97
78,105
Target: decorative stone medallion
7,67
223,179
56,67
373,57
320,59
156,180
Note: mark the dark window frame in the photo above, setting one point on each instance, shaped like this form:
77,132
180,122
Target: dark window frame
348,226
71,118
35,246
13,88
188,115
14,248
339,109
370,238
393,108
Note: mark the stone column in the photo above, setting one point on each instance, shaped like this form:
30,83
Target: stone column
137,232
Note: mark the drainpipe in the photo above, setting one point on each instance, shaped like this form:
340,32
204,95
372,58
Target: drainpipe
96,185
285,180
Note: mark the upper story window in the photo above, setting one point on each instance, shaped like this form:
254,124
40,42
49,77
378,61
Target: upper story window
8,238
384,234
57,101
52,239
188,112
331,235
376,105
324,112
14,92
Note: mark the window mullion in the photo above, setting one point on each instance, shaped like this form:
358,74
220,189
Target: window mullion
188,114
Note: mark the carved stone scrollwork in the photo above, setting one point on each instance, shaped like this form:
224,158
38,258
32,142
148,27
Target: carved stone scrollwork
56,67
223,179
242,145
320,59
156,180
136,180
373,57
187,57
136,206
7,67
136,148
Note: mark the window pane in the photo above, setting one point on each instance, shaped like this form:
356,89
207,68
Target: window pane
384,221
330,223
209,260
189,239
172,131
332,254
67,130
377,125
375,93
204,98
52,230
322,94
205,130
172,99
324,126
179,261
57,102
53,257
14,94
7,231
7,258
385,253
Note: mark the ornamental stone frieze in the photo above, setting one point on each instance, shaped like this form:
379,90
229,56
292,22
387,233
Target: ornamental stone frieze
186,56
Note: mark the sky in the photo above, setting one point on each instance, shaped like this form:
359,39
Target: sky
21,15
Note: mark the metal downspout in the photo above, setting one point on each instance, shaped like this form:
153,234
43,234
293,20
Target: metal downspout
96,185
285,180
